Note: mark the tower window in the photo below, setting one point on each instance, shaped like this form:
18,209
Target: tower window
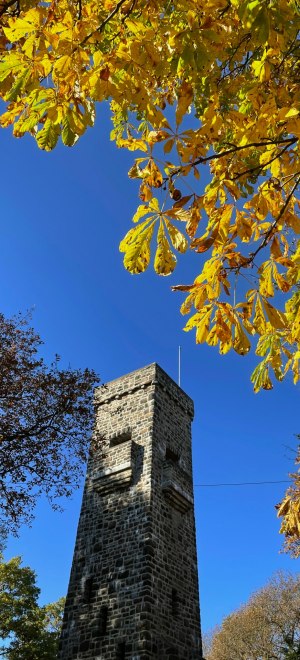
171,455
175,602
118,439
103,620
88,587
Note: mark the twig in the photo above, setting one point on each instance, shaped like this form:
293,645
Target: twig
258,145
260,167
103,24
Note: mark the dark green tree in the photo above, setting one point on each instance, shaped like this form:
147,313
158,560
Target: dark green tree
27,631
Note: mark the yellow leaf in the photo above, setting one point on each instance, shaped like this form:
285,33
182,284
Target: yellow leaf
212,338
293,221
241,343
244,226
62,66
259,321
277,319
145,192
152,174
20,27
275,248
69,136
48,136
184,100
202,329
260,377
168,146
266,287
222,217
154,205
133,234
205,242
142,210
281,282
284,507
193,220
165,260
275,168
179,241
137,248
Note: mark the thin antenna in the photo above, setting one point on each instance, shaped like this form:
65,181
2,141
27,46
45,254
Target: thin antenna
179,365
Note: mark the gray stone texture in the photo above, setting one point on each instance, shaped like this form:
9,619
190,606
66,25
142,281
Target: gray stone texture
133,591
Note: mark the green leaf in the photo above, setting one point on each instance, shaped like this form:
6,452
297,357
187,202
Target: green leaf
68,136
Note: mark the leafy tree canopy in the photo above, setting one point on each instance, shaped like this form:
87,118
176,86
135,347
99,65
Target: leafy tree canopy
266,628
27,631
230,69
46,422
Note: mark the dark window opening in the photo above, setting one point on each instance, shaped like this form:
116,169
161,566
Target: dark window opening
123,437
103,620
175,602
88,587
171,455
121,649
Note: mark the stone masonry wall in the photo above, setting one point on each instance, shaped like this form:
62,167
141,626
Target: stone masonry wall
133,591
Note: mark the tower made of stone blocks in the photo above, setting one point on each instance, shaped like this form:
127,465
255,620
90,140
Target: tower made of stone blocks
133,591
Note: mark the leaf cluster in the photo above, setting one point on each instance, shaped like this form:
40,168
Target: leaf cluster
289,512
196,86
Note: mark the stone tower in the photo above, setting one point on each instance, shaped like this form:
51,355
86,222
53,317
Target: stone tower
133,591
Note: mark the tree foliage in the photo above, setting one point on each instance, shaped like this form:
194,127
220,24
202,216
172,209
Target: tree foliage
266,628
208,92
289,511
46,421
27,631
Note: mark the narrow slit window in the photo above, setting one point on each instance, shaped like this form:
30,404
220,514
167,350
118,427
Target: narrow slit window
175,602
103,620
88,588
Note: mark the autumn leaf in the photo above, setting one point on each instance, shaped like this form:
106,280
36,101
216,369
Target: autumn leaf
185,97
136,246
277,319
48,136
178,240
165,260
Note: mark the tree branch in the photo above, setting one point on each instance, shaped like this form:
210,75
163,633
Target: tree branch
260,167
258,145
6,6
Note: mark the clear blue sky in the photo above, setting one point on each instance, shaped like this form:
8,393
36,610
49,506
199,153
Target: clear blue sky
64,214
